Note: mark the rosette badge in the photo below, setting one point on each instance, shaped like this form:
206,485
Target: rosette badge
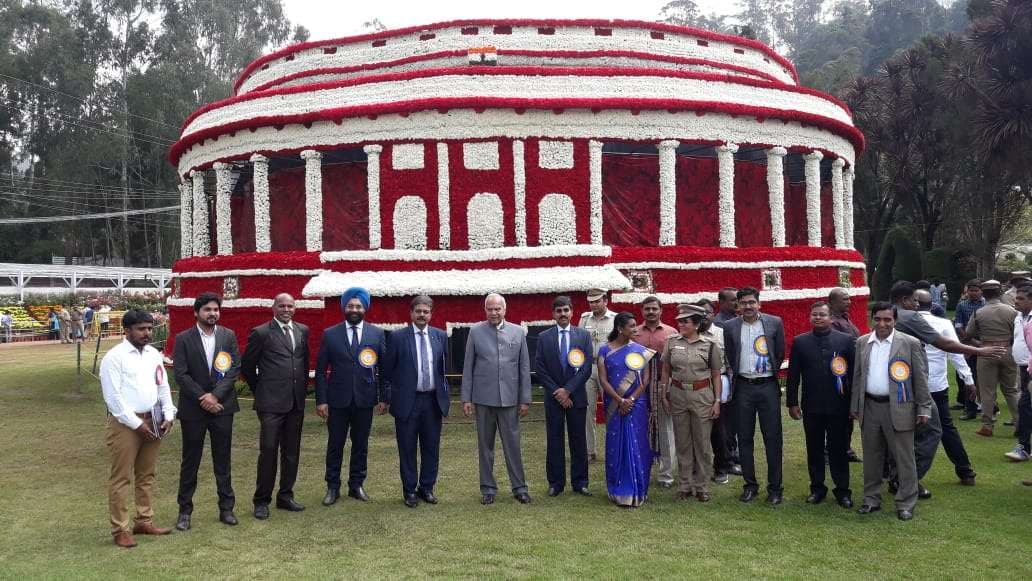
839,368
635,361
899,371
367,358
762,354
575,358
223,361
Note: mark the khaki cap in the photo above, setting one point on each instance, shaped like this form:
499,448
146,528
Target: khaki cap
991,284
596,293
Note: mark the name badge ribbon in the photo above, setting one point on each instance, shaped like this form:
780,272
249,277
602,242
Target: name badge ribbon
762,354
899,371
367,358
223,361
839,368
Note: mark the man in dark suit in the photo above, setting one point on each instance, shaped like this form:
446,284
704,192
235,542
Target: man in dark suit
347,388
206,362
754,345
563,367
418,399
275,365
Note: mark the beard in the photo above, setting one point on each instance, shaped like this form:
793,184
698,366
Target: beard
354,318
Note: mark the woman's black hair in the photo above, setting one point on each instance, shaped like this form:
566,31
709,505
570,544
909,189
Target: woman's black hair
620,322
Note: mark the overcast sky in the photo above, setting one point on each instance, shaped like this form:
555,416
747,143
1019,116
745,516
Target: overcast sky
333,18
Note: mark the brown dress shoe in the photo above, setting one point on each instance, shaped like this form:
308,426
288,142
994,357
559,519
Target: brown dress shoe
702,496
1026,482
148,528
124,540
984,431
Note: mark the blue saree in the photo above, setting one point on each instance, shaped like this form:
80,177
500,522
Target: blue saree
628,453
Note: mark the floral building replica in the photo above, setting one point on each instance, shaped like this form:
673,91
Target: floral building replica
526,157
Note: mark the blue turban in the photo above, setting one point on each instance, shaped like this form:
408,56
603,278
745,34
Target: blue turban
355,292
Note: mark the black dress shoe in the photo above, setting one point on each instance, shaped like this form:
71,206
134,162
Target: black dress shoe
183,522
922,492
968,417
332,494
523,497
748,495
904,515
487,499
868,509
261,511
851,456
845,502
957,407
358,494
815,498
583,491
736,469
289,504
553,491
428,496
227,517
411,500
775,498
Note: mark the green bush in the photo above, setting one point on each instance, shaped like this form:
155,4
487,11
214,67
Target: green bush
900,259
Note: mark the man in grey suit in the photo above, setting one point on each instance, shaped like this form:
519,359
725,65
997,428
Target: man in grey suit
890,399
496,385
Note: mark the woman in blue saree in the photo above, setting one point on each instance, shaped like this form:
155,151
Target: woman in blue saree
622,371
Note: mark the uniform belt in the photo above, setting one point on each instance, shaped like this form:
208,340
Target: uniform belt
143,415
755,380
696,385
996,343
877,398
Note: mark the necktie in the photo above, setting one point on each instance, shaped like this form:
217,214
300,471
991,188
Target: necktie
290,336
424,363
354,337
564,348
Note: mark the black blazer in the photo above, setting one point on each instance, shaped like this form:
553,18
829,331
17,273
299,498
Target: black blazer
276,372
810,364
399,369
340,380
550,370
195,378
773,329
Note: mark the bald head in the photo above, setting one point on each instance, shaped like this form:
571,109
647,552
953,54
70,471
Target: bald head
838,300
924,299
283,308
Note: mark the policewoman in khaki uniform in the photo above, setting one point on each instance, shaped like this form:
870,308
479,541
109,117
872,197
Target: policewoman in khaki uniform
690,380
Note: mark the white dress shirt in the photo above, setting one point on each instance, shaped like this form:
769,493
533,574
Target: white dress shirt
208,341
747,352
423,336
1019,350
878,364
937,379
359,325
288,328
133,381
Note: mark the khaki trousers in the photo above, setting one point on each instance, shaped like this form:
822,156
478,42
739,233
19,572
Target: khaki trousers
591,388
1001,372
880,438
691,412
667,452
131,455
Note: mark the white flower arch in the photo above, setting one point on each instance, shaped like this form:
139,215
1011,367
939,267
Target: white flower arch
485,224
557,220
410,223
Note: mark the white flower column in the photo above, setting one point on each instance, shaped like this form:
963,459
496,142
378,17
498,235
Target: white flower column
726,201
837,202
201,241
223,224
185,219
668,192
262,241
847,204
813,197
373,185
313,199
443,198
519,178
595,189
776,191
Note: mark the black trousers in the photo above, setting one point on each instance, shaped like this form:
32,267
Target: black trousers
558,420
832,429
762,400
951,441
970,403
360,422
422,430
719,441
1024,411
194,431
279,439
729,411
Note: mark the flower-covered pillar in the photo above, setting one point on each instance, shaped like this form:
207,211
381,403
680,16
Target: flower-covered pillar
313,199
223,224
847,204
519,178
812,169
373,186
262,240
185,220
668,192
443,197
201,240
726,200
595,189
776,192
837,204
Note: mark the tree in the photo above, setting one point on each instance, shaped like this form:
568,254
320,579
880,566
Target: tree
687,13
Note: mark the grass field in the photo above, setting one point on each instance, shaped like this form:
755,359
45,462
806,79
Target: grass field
54,512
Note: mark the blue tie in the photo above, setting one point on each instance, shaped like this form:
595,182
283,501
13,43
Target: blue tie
354,337
564,349
424,363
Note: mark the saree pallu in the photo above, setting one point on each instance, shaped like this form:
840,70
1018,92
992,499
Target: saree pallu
628,452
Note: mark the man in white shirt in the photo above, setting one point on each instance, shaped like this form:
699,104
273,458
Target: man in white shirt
1020,351
139,404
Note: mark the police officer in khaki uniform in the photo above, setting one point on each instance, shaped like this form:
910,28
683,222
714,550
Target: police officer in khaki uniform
691,387
599,322
993,325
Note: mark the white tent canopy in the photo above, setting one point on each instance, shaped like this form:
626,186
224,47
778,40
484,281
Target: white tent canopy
111,278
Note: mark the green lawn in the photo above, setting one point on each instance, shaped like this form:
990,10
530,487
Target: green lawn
54,512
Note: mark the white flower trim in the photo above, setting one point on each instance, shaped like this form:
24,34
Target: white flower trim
480,155
504,86
776,192
557,221
812,169
262,217
485,222
410,223
247,303
555,154
768,296
248,272
566,38
837,203
595,189
223,223
668,192
373,186
460,124
728,265
519,189
443,197
201,241
407,156
847,205
481,255
185,220
726,195
520,281
313,200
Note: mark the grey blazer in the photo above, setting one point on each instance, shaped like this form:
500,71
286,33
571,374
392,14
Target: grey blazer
496,371
909,349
